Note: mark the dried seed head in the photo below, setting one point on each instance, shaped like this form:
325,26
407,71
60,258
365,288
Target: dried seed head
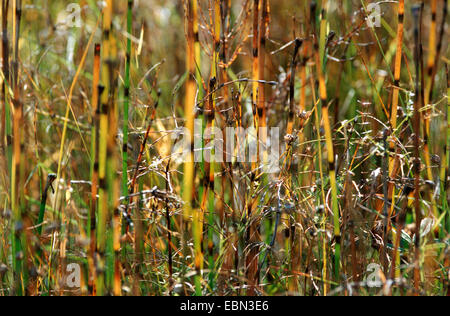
436,160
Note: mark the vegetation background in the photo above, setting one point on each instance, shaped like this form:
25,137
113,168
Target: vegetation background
93,99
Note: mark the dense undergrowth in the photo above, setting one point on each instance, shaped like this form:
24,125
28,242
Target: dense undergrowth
103,107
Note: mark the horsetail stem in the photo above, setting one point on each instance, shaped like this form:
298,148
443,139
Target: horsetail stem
104,156
97,91
320,65
291,116
418,104
264,24
17,166
394,114
256,6
447,152
188,173
126,103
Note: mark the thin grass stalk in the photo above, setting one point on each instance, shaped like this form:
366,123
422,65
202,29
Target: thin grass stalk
444,165
393,160
211,122
320,65
426,86
251,234
138,233
431,60
126,103
290,130
417,14
447,155
386,217
208,178
438,51
291,116
6,134
169,232
225,13
313,8
227,167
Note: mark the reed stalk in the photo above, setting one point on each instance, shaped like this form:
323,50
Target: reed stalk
320,65
427,86
255,46
96,92
393,161
291,116
263,27
211,112
5,129
251,234
188,174
126,103
444,165
108,193
447,153
138,233
418,104
17,166
438,51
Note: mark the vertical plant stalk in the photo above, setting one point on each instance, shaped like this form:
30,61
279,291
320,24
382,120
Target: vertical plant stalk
255,53
211,112
417,14
426,96
188,176
313,8
207,204
5,128
291,116
430,67
19,248
227,178
263,28
108,184
447,154
320,65
50,179
138,233
444,166
386,218
97,90
169,232
438,51
114,181
289,149
393,160
397,72
251,234
126,103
